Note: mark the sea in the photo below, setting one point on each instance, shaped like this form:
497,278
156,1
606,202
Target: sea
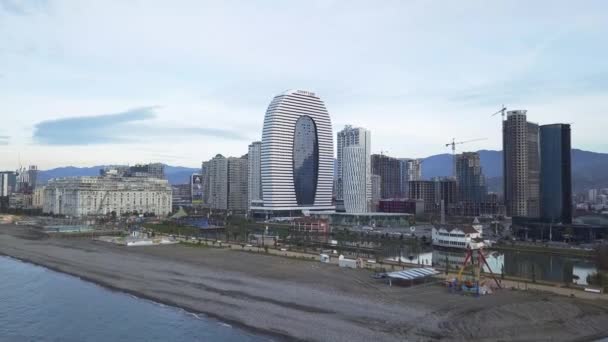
38,304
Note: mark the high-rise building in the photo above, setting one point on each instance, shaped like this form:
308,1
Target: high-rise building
353,136
388,168
355,178
555,177
195,192
409,170
297,154
521,165
26,179
376,192
8,182
215,183
152,170
592,197
225,183
238,183
181,195
471,181
255,174
432,192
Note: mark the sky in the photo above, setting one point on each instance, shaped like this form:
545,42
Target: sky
89,82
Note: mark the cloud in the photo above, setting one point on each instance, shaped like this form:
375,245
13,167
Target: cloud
86,130
22,7
131,126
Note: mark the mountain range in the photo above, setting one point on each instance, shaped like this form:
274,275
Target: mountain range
175,174
589,170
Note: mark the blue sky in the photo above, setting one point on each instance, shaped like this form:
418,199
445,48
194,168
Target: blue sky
91,82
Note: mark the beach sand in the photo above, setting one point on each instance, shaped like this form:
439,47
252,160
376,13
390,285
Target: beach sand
304,300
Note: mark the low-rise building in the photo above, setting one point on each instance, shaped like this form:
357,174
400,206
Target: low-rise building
458,236
402,206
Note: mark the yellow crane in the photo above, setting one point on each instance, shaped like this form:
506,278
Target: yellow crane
453,145
502,112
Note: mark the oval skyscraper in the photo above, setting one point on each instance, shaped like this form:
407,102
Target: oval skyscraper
297,153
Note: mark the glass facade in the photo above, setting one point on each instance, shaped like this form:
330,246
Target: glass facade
555,180
305,160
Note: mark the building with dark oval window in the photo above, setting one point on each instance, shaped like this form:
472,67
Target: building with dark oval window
297,154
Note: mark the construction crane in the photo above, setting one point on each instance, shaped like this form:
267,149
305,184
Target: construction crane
453,144
501,112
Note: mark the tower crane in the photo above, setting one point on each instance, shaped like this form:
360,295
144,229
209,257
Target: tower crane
502,112
453,144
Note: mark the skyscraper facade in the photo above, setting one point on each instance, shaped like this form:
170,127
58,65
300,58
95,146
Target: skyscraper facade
521,163
471,181
356,136
215,183
409,170
555,179
432,192
255,174
8,183
238,183
355,179
388,169
225,183
297,154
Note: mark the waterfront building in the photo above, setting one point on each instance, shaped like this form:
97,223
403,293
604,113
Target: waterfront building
104,195
402,206
181,195
555,177
225,183
353,136
355,178
196,189
38,197
471,181
409,170
8,183
521,163
458,236
215,183
255,196
388,168
152,170
26,179
297,154
433,192
376,192
592,197
237,183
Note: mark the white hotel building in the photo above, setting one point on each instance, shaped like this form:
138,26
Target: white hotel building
297,154
458,236
90,196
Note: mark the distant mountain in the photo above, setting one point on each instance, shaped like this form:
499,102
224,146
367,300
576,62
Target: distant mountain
174,174
589,169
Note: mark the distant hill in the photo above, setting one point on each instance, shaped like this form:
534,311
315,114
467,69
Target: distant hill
589,169
175,174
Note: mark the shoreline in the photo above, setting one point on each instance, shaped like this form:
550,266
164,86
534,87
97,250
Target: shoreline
140,295
291,299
